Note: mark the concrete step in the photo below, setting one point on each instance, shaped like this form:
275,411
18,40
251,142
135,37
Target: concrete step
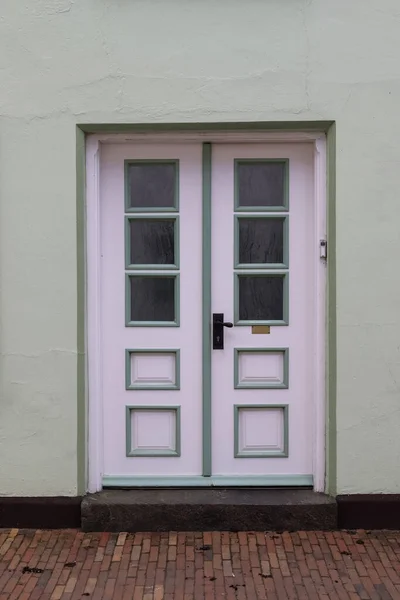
153,510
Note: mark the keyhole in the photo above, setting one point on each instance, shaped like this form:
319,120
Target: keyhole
218,338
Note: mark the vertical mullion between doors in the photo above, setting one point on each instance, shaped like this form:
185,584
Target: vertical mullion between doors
206,313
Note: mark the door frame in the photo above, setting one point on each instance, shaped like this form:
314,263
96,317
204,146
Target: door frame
93,336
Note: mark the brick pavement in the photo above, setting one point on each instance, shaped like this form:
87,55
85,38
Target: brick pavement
61,565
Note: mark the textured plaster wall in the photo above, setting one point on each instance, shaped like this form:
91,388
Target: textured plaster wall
64,62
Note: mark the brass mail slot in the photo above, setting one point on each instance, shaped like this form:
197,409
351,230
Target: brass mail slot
260,329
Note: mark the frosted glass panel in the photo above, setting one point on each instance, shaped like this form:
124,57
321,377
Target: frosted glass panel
152,241
261,183
260,298
261,241
152,298
151,185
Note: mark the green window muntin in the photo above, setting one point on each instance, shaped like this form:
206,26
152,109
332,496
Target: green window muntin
260,272
148,201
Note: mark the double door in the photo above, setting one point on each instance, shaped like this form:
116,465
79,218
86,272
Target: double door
207,313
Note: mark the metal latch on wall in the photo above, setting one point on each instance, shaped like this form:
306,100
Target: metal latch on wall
323,249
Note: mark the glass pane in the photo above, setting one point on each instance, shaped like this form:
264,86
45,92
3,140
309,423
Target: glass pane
261,183
151,185
260,298
152,298
152,241
261,241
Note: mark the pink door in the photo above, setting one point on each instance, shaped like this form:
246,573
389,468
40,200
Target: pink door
262,282
151,319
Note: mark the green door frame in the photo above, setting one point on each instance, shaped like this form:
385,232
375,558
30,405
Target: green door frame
206,480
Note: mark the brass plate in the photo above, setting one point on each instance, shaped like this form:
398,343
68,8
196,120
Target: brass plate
260,329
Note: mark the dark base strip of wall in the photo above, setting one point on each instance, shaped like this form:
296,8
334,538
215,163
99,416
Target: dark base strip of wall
58,512
369,511
354,511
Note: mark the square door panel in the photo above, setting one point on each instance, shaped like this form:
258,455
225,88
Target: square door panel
153,431
261,431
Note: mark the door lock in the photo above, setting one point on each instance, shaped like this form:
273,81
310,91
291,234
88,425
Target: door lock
218,330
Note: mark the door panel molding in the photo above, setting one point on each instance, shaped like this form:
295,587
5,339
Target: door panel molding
271,384
283,451
173,384
175,446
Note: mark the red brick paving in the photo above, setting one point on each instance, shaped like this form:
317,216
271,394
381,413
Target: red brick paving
71,565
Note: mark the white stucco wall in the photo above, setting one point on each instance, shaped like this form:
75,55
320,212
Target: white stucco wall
64,62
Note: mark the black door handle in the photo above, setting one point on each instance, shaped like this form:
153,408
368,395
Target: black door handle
218,330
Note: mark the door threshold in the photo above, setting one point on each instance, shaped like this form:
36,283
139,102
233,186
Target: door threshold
219,487
267,481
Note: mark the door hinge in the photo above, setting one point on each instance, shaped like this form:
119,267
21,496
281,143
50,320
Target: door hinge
323,249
